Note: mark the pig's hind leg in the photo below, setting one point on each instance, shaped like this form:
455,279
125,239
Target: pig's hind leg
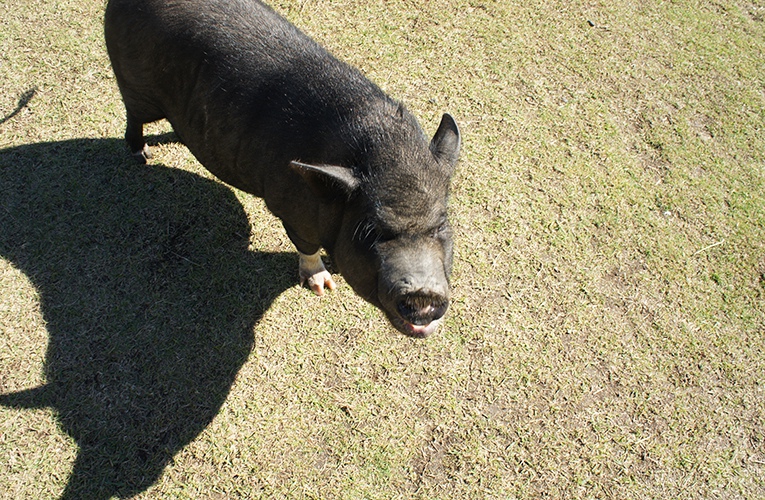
139,109
135,140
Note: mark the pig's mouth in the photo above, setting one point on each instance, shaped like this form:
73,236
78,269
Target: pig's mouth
412,330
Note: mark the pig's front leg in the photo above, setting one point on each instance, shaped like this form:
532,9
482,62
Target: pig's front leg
312,270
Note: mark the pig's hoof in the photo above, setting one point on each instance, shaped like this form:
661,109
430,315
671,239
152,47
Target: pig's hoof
317,282
143,155
313,272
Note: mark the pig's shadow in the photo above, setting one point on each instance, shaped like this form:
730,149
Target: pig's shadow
150,296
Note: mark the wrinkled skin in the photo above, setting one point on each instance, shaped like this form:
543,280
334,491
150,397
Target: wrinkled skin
269,111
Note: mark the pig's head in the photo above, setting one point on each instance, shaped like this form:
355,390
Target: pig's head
394,243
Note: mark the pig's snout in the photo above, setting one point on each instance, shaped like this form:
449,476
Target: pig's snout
414,287
422,308
417,313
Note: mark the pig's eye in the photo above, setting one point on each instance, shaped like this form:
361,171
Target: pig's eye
365,231
441,231
370,233
383,235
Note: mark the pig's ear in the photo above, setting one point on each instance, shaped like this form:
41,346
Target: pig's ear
445,145
327,181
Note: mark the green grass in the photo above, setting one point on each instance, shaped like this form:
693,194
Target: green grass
607,335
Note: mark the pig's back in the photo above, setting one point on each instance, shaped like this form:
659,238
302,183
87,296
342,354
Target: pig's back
244,89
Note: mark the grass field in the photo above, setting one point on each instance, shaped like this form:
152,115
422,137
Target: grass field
607,335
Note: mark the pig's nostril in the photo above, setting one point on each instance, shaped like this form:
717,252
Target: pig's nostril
406,310
440,310
420,310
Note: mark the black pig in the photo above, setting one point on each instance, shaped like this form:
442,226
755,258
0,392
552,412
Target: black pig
269,111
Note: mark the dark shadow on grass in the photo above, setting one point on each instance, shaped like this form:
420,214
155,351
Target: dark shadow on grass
154,140
150,295
23,102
